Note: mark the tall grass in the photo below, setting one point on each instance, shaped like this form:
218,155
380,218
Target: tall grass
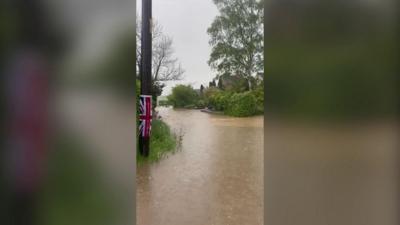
162,142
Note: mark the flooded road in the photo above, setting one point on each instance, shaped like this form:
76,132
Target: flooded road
340,173
215,178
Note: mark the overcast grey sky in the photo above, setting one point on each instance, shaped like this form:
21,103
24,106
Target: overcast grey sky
186,21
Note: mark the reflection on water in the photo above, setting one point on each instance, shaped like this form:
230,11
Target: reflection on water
217,178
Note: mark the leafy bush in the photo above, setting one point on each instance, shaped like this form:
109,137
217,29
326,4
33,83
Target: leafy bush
235,104
183,96
242,104
208,93
200,103
220,100
259,95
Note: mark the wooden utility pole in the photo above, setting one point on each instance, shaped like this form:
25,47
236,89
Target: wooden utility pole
145,77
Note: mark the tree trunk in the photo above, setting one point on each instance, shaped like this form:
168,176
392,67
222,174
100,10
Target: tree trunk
249,83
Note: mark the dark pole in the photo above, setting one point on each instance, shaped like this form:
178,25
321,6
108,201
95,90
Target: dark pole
146,65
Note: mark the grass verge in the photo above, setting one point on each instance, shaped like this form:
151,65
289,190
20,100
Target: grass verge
162,142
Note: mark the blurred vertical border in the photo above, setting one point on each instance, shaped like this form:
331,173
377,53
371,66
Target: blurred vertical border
71,159
331,112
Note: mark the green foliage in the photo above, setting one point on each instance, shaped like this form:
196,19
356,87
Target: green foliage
156,90
237,38
219,100
162,142
209,92
200,104
242,104
235,104
259,95
163,103
183,96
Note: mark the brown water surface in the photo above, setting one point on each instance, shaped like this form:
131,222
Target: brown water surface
343,173
215,178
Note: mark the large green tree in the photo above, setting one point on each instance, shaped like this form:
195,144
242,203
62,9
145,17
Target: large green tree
237,38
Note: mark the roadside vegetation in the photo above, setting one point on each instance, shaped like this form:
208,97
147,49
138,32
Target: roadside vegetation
229,101
162,141
183,96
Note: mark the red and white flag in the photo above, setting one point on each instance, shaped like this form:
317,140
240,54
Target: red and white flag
145,115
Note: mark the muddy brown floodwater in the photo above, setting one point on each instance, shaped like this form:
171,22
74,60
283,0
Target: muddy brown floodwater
343,173
215,178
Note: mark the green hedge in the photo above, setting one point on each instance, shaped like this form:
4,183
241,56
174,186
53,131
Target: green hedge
183,96
259,95
242,104
219,100
247,103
